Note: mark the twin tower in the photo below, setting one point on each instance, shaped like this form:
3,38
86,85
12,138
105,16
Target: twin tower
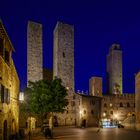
63,53
63,57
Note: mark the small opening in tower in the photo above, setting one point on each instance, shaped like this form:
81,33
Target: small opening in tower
63,54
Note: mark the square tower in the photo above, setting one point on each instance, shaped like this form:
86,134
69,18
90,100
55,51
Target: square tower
114,70
63,54
95,86
34,52
137,100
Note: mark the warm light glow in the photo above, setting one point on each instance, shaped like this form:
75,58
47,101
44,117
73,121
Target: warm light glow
80,111
67,88
21,96
104,114
116,116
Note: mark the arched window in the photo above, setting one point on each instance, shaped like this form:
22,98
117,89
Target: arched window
121,104
92,112
128,105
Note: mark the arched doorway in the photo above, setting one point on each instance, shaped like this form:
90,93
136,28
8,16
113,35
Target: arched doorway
5,130
31,123
13,129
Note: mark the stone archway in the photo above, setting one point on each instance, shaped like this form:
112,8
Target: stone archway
5,130
31,121
13,129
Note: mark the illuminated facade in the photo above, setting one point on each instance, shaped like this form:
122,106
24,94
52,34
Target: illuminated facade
114,70
9,89
88,110
116,108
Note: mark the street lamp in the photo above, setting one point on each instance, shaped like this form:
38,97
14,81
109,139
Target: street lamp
104,114
116,118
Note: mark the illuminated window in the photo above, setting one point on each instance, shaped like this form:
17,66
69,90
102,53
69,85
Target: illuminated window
111,105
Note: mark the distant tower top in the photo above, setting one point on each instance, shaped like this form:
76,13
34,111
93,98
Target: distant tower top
114,70
115,47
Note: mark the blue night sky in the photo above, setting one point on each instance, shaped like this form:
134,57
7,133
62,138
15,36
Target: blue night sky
98,24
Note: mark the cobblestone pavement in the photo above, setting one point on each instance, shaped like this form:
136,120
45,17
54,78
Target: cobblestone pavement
69,133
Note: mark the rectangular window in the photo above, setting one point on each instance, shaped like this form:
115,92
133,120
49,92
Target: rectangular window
7,56
2,93
1,47
5,95
8,98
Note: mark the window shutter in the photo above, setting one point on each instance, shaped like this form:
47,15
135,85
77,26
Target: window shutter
5,95
8,99
2,93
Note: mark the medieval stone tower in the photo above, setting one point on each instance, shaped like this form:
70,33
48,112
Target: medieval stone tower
34,52
95,86
63,67
114,70
137,100
63,54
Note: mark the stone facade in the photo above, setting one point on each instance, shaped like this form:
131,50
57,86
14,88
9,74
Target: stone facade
63,54
117,107
63,67
34,52
95,86
114,70
9,89
137,100
87,110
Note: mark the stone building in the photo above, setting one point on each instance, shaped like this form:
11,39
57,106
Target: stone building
34,52
63,67
88,110
116,108
95,86
137,100
9,88
114,70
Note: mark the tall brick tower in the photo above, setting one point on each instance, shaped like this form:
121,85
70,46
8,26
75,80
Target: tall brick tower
34,52
63,67
114,70
63,54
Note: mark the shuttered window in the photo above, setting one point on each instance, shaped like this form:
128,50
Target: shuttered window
2,93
